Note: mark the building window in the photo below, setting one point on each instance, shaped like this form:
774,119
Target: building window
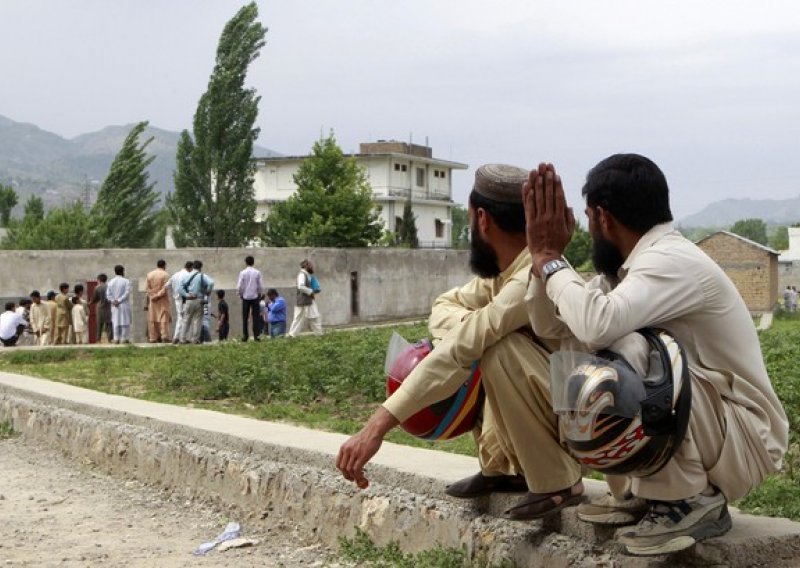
442,174
439,229
400,168
421,177
397,167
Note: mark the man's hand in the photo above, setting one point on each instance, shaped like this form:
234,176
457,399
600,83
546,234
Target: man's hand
549,222
359,449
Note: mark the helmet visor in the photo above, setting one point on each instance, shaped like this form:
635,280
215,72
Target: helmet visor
585,383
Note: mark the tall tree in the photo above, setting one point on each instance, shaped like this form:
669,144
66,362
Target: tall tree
214,203
333,205
8,200
579,249
125,209
407,235
34,209
753,229
63,228
780,238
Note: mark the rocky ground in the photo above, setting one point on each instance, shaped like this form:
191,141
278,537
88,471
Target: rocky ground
54,512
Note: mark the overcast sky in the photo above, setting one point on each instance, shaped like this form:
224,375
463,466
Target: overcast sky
710,90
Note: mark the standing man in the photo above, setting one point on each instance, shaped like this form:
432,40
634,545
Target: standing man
158,314
194,290
276,313
174,285
103,308
250,287
518,442
40,318
119,295
223,318
305,307
63,314
651,276
52,309
12,326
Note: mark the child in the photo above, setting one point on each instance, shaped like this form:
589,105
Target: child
79,321
223,323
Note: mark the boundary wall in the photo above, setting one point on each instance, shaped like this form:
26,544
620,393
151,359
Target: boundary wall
358,285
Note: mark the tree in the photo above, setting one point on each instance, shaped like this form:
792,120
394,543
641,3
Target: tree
125,210
780,238
407,233
753,229
459,230
333,205
214,203
579,249
69,227
34,209
8,200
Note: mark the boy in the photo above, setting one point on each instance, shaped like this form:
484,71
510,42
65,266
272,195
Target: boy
223,322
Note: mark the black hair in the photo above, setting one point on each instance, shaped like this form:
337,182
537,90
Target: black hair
272,292
119,270
25,301
188,265
161,263
78,288
36,294
102,277
249,260
630,187
63,285
220,294
10,306
198,265
51,294
510,217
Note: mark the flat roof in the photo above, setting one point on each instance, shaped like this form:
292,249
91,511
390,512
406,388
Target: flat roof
423,159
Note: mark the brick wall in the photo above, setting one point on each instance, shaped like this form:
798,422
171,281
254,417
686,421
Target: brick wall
753,270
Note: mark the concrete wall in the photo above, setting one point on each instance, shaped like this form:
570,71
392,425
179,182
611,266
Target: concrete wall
358,285
753,270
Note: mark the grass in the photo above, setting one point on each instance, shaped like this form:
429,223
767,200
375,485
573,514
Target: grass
336,381
6,430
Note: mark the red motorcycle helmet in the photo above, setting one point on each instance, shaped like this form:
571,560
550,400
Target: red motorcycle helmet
447,418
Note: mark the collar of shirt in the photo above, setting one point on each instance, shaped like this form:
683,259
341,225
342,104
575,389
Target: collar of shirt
645,242
523,261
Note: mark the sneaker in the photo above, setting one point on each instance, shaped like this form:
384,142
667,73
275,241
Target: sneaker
670,526
608,510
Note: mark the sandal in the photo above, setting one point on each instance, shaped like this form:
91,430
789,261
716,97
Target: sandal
539,505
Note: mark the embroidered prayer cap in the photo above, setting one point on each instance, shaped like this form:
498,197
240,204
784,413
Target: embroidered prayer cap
500,182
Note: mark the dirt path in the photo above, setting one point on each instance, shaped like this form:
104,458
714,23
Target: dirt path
56,513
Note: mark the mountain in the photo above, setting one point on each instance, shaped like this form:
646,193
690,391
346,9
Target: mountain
58,170
726,212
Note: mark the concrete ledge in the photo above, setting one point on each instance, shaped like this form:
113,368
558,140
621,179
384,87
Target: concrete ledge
270,471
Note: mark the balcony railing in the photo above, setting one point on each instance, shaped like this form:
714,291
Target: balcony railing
416,193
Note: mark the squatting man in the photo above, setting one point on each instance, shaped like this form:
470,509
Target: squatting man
649,276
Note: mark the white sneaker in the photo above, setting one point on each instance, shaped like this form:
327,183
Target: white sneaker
670,526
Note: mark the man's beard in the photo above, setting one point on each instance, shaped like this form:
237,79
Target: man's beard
482,257
606,257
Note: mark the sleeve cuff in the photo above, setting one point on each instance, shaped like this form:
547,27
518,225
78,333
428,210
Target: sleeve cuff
401,405
559,281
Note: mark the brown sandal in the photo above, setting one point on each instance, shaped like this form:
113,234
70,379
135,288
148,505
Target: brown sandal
538,505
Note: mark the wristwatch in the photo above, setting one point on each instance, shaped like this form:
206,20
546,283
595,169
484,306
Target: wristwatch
553,266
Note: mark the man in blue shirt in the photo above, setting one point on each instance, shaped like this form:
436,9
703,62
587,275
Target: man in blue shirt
194,290
276,317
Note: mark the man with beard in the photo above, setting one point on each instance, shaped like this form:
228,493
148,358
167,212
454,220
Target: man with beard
518,444
650,275
305,307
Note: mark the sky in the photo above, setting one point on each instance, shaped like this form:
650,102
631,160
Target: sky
709,90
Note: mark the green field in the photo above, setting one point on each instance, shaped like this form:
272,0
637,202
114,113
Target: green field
334,382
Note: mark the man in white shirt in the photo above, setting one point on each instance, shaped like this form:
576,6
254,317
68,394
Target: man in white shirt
12,325
305,307
119,295
174,286
651,276
250,287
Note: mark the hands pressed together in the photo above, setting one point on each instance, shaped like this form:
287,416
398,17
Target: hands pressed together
549,221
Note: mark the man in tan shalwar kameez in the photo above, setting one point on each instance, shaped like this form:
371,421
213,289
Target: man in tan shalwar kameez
651,276
159,317
63,315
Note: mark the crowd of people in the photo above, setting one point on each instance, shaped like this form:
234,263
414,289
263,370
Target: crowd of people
63,318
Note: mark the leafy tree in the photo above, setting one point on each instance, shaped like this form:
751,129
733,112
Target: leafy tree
407,234
579,249
333,205
459,230
8,200
780,238
34,209
694,234
124,212
753,229
214,203
63,228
